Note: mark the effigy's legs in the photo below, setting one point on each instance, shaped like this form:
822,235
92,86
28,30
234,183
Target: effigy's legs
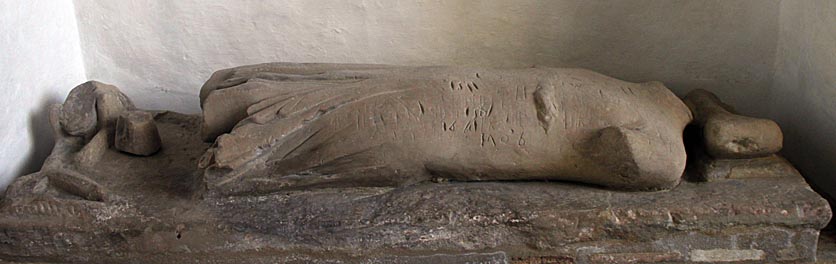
631,157
271,123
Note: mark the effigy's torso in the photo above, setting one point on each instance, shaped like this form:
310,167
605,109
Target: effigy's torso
419,122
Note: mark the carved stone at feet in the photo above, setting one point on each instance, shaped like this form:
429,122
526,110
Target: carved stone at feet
731,136
731,146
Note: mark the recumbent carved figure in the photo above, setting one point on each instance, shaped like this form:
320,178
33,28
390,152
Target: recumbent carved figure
290,126
285,126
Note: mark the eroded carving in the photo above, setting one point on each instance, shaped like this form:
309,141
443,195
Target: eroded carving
421,160
282,126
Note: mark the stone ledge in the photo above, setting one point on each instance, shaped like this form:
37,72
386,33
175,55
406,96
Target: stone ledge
492,222
765,219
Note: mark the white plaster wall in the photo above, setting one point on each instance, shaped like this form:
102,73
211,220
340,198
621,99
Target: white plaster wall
803,95
40,61
160,52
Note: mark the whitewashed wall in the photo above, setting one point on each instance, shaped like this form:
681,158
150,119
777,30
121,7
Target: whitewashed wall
803,96
40,61
160,51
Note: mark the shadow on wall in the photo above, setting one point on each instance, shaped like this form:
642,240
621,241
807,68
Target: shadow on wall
727,47
804,106
40,133
803,95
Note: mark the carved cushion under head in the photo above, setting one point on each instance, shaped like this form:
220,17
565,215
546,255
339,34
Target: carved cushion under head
285,126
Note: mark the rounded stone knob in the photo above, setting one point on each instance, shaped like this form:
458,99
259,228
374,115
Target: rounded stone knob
136,133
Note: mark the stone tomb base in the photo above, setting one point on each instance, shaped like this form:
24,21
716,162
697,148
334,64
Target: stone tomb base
154,213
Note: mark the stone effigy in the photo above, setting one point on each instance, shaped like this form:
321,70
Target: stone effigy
344,163
357,125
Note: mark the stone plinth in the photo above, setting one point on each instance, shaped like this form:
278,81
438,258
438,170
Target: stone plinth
157,213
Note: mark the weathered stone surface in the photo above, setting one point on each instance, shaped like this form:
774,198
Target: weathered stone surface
91,106
727,255
78,115
109,106
93,151
157,216
717,169
76,184
235,107
707,168
136,133
94,204
731,136
543,260
364,126
639,257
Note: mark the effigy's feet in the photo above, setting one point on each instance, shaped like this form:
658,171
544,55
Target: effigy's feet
728,135
725,145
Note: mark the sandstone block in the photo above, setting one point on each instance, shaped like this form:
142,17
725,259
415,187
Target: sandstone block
770,166
93,151
77,184
151,213
731,136
78,115
91,106
136,133
109,106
